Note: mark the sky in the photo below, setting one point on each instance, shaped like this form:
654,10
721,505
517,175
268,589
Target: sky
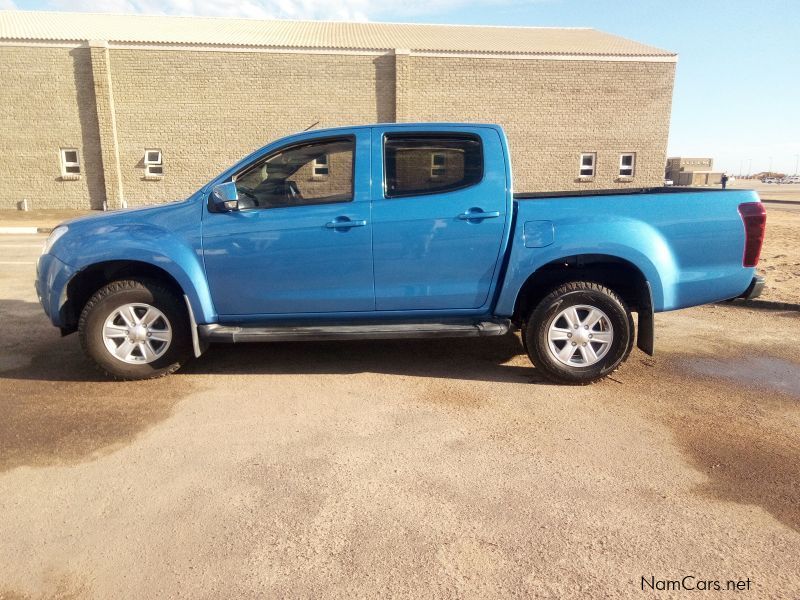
737,87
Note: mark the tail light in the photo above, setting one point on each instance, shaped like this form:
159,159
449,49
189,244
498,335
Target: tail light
754,217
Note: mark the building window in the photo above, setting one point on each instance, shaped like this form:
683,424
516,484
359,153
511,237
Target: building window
321,167
438,165
587,164
627,164
70,163
153,163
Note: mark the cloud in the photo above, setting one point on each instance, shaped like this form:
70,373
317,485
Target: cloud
338,10
7,4
344,10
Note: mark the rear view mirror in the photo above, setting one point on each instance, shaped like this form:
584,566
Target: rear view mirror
225,197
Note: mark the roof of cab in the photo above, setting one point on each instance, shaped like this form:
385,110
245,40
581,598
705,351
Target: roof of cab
415,125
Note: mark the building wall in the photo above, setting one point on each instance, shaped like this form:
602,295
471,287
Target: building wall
698,178
47,100
553,110
206,109
678,164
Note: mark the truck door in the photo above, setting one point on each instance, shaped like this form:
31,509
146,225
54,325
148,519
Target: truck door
438,218
302,239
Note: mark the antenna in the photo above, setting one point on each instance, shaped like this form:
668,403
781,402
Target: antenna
311,126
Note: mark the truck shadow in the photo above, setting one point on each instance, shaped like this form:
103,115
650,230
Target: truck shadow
496,359
33,350
56,408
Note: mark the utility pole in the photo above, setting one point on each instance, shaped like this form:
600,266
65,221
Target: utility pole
750,168
770,166
796,162
741,167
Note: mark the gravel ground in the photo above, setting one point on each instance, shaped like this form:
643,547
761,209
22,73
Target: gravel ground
780,257
405,469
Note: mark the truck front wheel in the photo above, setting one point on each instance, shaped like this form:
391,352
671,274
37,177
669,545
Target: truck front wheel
135,329
579,333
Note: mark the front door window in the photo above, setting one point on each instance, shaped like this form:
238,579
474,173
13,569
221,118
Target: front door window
291,177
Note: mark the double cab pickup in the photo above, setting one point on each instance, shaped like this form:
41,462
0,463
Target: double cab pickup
395,231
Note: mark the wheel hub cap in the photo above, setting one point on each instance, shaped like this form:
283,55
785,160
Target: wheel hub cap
580,336
137,333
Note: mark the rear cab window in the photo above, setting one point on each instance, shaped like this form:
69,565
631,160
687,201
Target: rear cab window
416,163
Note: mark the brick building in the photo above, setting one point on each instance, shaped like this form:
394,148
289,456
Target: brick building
115,110
692,171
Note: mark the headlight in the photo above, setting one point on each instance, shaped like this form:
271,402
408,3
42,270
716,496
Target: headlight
54,237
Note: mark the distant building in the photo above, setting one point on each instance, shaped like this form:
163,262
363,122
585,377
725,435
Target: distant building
123,110
692,171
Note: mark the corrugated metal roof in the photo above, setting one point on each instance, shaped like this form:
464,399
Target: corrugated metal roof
62,26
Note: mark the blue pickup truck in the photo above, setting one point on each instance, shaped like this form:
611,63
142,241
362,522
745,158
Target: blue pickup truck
395,231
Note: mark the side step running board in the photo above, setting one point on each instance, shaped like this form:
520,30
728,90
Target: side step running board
352,331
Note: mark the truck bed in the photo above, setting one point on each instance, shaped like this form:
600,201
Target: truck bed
617,192
687,242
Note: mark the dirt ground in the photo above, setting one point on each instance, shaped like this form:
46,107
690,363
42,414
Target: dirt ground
401,469
770,191
780,257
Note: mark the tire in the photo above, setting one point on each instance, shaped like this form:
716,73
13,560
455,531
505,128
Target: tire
151,341
589,353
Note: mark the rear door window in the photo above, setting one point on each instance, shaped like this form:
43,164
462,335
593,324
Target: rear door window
416,164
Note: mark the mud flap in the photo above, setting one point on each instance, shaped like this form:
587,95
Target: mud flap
646,337
199,346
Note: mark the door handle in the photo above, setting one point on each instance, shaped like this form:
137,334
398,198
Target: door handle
344,223
476,214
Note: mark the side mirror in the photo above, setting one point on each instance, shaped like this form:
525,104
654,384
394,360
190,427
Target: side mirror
224,197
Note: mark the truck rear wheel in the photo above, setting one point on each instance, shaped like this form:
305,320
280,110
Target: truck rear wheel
579,333
135,330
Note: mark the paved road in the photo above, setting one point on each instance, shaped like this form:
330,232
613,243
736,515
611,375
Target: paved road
404,469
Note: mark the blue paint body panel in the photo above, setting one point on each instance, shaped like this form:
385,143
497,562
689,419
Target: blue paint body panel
52,276
413,257
689,246
425,257
166,236
285,260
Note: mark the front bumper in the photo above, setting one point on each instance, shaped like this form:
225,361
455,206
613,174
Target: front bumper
754,289
52,277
